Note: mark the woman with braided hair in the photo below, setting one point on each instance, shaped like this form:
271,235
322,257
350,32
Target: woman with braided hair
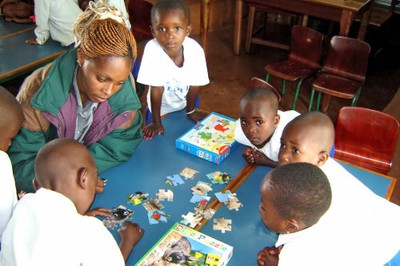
87,94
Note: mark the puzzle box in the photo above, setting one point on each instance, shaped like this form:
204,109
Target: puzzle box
211,139
182,245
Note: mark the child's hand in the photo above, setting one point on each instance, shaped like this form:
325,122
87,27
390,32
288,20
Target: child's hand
101,183
32,41
197,115
100,212
269,256
130,235
151,129
248,154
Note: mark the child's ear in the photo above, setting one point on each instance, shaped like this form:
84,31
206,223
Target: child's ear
292,225
83,177
152,31
36,185
322,158
277,119
188,30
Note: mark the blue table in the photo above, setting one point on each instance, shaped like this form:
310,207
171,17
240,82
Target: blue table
18,57
9,28
146,171
154,160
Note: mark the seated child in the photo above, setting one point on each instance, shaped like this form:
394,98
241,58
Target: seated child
293,199
49,227
11,118
260,126
17,11
55,18
356,215
173,65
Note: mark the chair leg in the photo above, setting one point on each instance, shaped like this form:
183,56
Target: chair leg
311,99
296,95
283,87
355,99
318,102
267,77
250,24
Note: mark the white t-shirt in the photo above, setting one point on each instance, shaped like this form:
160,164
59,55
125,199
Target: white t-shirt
8,194
271,148
360,228
55,18
47,230
157,69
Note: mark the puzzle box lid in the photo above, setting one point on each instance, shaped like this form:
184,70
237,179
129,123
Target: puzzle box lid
211,139
182,244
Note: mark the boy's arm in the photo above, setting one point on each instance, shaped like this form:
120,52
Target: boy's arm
155,127
192,113
42,14
130,236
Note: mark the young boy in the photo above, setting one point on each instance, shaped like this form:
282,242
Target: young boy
49,226
173,65
293,199
260,126
11,118
356,216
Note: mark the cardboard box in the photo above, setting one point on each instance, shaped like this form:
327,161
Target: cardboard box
211,139
182,245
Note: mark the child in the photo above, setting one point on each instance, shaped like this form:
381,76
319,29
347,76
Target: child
55,18
49,226
293,199
17,11
368,222
173,65
260,126
11,118
86,94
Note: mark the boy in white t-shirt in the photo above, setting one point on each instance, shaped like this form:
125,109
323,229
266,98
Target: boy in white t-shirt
173,65
260,126
11,119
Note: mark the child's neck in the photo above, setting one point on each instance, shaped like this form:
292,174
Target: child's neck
177,57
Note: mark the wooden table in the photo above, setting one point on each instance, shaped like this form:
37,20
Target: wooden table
342,11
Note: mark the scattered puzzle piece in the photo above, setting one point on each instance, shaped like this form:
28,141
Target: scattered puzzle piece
191,219
152,205
208,213
165,195
233,205
218,177
157,217
138,198
188,173
223,196
174,180
201,188
222,224
120,215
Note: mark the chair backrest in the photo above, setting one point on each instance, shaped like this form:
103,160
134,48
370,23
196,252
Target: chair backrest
306,46
140,19
366,137
347,57
260,83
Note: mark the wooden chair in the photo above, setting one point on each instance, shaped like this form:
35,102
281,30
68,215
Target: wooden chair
139,17
259,83
304,59
343,73
366,138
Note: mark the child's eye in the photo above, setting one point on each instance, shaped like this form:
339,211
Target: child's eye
178,28
162,29
283,145
296,151
259,122
243,122
101,79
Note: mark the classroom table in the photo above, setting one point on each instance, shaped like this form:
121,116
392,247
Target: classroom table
342,11
155,159
18,57
10,28
151,163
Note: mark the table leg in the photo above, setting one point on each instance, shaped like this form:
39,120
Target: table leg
364,24
345,22
205,20
237,31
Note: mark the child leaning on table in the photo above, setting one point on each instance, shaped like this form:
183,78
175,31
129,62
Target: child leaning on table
49,227
17,11
55,19
173,65
357,216
11,119
260,126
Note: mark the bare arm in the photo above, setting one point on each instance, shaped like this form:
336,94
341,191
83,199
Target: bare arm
194,115
155,127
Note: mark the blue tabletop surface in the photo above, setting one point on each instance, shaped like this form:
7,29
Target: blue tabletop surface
10,27
146,172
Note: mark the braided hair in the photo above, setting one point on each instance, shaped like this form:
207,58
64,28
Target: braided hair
101,31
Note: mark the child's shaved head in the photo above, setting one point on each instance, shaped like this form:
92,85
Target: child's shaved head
11,118
66,166
307,138
264,95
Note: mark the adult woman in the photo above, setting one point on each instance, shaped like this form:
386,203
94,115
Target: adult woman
87,94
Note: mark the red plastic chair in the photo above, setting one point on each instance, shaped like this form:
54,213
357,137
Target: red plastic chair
344,71
304,59
366,138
